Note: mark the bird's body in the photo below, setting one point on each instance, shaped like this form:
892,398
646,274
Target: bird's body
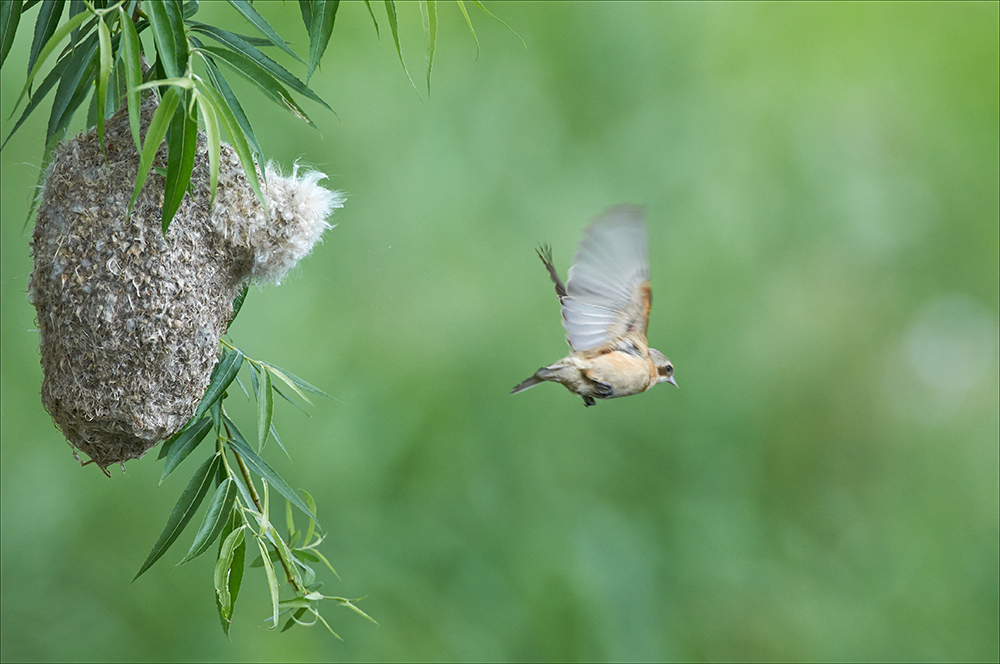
605,306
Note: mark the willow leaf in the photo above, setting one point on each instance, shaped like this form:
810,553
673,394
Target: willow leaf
495,18
181,145
167,22
130,50
258,57
10,16
181,445
46,24
390,11
428,10
229,568
238,138
105,54
50,46
219,83
371,13
229,366
272,582
240,446
154,136
216,517
265,408
295,382
73,85
250,14
185,508
468,21
262,78
323,15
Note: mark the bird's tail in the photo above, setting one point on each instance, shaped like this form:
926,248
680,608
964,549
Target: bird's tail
531,382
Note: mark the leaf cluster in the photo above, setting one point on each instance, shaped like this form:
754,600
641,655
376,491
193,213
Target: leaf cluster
238,512
104,53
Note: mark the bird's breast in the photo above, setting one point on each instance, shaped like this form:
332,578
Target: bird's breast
627,373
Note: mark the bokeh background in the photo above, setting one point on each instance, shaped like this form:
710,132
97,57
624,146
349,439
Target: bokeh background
821,182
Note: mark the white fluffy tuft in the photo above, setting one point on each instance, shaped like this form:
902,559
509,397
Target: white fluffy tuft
298,208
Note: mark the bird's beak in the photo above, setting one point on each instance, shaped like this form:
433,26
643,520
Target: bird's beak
673,382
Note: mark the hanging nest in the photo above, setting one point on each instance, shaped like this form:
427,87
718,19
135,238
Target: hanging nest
130,320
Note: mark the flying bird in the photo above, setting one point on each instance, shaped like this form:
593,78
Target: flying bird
605,308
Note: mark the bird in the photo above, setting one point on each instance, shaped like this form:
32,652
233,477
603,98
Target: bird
605,309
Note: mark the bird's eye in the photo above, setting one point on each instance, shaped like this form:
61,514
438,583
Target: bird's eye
666,370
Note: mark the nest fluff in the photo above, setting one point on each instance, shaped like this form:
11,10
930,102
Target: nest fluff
130,320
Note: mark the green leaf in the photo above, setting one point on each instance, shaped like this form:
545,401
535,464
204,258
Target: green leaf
73,86
181,445
235,564
491,15
305,8
185,508
229,574
50,46
263,79
428,10
229,366
76,7
238,138
295,382
294,619
311,502
49,15
259,58
286,557
54,77
232,103
265,407
182,144
322,17
244,494
166,20
326,562
10,16
250,14
284,396
239,445
106,53
154,136
213,142
272,582
215,520
368,4
468,21
133,71
293,534
390,10
274,434
117,85
238,302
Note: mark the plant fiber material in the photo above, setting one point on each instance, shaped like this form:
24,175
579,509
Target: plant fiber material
130,321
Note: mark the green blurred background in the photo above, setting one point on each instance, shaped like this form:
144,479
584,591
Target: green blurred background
821,184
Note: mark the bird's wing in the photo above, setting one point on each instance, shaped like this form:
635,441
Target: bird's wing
607,293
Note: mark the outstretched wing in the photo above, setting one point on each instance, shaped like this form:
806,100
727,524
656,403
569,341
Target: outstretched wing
607,293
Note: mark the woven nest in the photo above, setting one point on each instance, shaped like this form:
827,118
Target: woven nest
130,321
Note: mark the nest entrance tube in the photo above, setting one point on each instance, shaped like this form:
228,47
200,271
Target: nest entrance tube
130,320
